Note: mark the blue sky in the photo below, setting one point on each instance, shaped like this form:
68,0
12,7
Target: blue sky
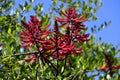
109,11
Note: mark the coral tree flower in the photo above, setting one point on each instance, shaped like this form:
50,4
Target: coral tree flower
106,67
1,44
62,49
73,22
109,63
71,16
64,43
32,58
33,32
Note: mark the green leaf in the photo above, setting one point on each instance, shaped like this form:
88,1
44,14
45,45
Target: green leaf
26,4
79,3
2,18
94,18
45,20
9,30
21,6
54,2
90,1
95,10
69,1
109,23
31,0
29,7
62,5
96,2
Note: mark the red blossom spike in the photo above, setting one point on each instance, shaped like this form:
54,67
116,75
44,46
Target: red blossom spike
81,17
116,67
33,33
33,57
61,19
107,67
24,24
71,16
72,12
33,19
104,67
1,44
79,20
109,63
64,13
43,27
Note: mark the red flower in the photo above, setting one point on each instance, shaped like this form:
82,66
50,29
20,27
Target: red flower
33,32
1,44
33,57
116,67
71,16
106,67
65,43
74,24
109,63
63,48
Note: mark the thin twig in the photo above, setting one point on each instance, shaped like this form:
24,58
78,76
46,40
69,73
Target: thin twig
19,54
37,71
64,64
56,45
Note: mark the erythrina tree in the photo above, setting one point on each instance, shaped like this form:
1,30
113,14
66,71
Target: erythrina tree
54,45
58,45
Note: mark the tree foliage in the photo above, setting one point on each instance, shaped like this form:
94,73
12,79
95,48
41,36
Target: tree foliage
45,34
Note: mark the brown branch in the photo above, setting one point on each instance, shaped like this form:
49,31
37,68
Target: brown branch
20,54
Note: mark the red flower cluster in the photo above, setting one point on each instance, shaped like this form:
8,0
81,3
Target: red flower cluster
66,43
74,25
32,58
33,32
1,44
71,16
59,44
109,63
106,67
